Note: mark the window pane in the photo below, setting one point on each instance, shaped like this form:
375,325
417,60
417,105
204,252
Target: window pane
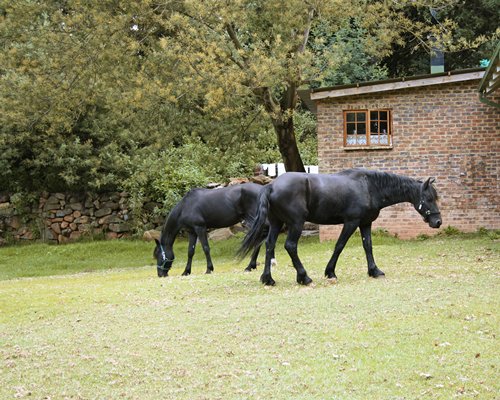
351,127
383,115
351,117
361,140
373,115
373,127
383,127
361,117
361,129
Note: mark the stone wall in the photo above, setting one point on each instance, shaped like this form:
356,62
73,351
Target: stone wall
61,217
442,131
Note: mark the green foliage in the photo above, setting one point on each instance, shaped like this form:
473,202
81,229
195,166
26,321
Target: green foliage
471,36
450,231
165,178
76,95
344,56
492,234
90,91
305,128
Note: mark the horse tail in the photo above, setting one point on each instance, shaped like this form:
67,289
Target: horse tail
255,235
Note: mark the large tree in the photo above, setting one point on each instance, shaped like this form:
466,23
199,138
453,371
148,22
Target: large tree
86,91
267,49
89,88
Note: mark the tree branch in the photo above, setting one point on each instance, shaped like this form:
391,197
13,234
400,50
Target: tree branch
307,31
237,44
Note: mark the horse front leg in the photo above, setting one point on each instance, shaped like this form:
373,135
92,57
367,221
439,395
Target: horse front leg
366,235
201,231
191,249
348,229
291,244
274,231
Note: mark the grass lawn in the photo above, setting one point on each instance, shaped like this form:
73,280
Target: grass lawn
92,321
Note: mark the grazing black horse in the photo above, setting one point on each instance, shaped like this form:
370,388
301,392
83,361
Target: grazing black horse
353,197
200,209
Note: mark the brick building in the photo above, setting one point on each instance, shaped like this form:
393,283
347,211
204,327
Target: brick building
424,126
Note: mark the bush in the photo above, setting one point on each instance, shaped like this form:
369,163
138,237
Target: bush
451,231
167,177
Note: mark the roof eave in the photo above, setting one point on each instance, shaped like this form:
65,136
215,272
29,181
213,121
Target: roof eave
397,84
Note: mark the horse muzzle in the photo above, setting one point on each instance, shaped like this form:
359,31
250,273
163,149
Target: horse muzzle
163,269
434,220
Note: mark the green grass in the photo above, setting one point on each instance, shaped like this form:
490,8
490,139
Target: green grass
429,330
45,259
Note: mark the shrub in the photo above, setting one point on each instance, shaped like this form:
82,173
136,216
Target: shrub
165,178
451,231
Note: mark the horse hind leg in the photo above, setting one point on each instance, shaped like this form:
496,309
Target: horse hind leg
347,231
366,236
291,247
191,249
274,231
253,260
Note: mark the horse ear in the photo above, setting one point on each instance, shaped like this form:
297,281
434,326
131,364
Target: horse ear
428,182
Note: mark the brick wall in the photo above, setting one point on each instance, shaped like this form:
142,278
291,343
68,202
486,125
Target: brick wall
442,131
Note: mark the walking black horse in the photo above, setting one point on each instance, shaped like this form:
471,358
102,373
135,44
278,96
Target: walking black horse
353,197
200,209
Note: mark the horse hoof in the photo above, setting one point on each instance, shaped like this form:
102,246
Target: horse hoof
267,280
332,281
304,281
376,273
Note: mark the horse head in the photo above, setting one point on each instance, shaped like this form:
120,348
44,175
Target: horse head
163,264
427,206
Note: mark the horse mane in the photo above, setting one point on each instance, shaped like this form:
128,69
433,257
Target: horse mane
170,224
390,181
387,182
389,185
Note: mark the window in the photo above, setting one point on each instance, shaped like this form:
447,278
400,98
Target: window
370,128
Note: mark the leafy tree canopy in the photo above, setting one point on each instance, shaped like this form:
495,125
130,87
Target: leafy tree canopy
91,91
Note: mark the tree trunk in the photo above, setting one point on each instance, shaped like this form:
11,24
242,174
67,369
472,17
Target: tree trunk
288,146
281,113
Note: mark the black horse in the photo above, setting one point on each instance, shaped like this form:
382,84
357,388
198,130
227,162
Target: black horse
353,197
200,209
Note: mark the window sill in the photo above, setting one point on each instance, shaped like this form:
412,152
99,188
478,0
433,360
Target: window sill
349,148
